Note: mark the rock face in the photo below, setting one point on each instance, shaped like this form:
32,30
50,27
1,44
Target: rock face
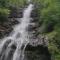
37,53
6,27
15,12
37,49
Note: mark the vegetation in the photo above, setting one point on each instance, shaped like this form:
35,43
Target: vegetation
49,20
5,7
49,13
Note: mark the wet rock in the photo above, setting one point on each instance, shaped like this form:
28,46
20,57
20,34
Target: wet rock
38,40
16,12
37,53
37,49
35,19
6,27
34,13
32,27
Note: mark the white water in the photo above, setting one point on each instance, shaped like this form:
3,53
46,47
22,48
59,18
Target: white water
19,38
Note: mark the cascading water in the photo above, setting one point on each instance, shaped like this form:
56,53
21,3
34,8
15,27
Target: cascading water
13,46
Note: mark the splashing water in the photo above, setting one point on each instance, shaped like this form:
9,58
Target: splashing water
13,46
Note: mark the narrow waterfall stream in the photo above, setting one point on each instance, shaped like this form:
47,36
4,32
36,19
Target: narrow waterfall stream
13,46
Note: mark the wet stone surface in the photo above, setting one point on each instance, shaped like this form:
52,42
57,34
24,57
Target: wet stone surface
37,53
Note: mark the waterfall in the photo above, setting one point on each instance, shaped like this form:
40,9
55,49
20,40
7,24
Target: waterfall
13,46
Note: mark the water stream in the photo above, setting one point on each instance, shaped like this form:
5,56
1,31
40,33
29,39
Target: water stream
13,46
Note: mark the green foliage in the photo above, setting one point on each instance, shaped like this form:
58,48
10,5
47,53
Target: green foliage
4,11
20,3
5,5
49,13
3,14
